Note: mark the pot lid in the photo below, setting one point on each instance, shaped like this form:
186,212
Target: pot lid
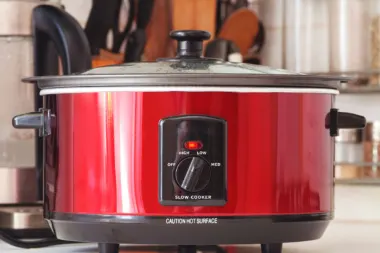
187,69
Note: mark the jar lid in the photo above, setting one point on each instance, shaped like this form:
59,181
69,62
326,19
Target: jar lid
188,71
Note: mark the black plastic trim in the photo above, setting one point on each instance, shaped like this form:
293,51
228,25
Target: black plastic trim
336,120
190,42
55,33
155,230
221,201
332,122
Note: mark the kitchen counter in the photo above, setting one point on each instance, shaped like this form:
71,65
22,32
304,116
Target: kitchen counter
341,237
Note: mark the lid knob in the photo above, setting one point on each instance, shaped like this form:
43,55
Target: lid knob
190,42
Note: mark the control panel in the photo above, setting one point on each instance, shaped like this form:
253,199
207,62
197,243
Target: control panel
193,161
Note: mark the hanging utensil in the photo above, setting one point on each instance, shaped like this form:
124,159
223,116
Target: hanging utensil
223,9
242,28
99,23
223,49
119,37
258,43
137,40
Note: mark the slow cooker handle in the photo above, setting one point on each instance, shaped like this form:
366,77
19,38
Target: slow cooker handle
336,120
190,42
42,120
55,33
52,24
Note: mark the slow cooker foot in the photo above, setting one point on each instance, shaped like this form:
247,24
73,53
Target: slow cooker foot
187,249
271,248
108,248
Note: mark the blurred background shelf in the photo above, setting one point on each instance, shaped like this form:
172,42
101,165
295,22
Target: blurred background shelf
358,164
358,181
357,173
360,90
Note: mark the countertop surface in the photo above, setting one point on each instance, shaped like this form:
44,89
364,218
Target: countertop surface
341,236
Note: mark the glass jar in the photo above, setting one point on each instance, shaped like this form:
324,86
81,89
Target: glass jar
374,39
296,34
348,153
372,150
339,37
349,31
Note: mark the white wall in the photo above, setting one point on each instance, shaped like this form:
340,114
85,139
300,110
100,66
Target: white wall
78,8
357,203
367,105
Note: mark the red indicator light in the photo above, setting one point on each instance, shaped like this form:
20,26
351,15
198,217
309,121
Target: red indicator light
193,145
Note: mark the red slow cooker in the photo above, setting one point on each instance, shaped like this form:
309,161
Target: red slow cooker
188,151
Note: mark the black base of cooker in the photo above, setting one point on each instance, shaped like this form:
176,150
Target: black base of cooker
108,248
160,230
114,248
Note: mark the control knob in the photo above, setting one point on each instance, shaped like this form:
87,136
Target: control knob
193,174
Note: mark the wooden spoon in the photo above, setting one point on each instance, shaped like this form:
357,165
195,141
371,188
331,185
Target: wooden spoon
242,28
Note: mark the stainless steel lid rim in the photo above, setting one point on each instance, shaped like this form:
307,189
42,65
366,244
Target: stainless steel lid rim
184,81
230,89
186,78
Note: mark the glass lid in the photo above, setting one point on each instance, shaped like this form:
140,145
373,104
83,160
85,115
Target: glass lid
188,68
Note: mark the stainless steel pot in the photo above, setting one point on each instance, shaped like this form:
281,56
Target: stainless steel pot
17,160
19,208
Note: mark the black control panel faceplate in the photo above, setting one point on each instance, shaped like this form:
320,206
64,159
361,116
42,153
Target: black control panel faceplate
192,160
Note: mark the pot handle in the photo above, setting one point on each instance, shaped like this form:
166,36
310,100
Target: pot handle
336,120
51,24
56,35
41,120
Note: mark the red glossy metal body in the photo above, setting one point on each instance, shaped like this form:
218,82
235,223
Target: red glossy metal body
102,157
